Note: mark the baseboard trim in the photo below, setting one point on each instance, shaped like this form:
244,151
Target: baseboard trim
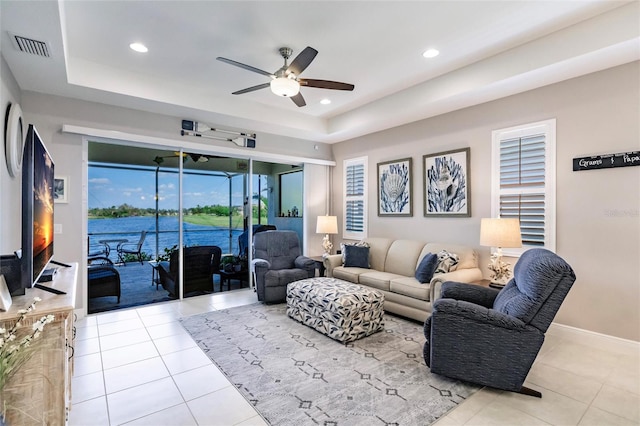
79,313
592,338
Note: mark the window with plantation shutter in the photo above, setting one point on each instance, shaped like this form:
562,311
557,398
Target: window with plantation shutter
523,181
355,203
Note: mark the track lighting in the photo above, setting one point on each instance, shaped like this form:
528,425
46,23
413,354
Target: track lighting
193,128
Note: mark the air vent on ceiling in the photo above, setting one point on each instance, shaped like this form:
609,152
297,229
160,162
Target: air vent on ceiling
31,46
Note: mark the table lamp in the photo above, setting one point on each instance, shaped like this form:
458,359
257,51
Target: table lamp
500,233
327,225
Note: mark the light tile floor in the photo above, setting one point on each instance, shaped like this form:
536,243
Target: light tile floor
140,367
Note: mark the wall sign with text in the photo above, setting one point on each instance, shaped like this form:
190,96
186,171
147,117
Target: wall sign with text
607,161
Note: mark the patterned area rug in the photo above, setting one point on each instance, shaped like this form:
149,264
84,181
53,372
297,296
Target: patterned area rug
294,375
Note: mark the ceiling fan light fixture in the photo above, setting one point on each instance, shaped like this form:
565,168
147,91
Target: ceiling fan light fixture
138,47
431,53
283,86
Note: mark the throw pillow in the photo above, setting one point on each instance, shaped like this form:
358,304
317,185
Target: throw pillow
357,244
356,256
427,268
447,262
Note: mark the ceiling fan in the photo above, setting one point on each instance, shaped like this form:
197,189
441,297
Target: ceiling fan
286,80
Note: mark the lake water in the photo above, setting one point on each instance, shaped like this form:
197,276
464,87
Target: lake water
129,228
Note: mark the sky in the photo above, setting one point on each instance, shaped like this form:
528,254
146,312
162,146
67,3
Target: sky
114,187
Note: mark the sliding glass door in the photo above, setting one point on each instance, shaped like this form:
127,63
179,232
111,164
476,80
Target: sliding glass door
175,202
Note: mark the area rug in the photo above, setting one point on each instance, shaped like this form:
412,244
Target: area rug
294,375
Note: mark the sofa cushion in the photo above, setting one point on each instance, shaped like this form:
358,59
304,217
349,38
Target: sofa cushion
377,279
411,287
355,256
402,257
348,274
426,268
378,248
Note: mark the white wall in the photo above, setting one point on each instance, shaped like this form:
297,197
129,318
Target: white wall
10,187
598,211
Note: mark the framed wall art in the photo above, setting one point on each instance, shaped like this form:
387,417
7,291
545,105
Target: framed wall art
446,184
61,189
394,188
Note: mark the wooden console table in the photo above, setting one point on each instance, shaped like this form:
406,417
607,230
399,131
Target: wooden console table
40,391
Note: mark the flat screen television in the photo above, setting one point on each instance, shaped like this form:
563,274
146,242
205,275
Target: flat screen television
37,209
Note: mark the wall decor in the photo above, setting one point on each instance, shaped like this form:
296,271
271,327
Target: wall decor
61,189
447,183
14,136
607,161
394,188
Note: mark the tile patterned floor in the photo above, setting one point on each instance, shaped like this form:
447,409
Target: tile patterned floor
139,367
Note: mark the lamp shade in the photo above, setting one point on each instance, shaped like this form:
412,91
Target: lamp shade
283,86
327,225
495,232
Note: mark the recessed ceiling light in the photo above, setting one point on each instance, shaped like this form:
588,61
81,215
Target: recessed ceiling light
431,53
139,47
325,101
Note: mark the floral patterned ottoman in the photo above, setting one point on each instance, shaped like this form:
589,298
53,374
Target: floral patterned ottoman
343,311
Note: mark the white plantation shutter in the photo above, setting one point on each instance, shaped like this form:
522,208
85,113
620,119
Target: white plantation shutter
523,183
530,210
355,190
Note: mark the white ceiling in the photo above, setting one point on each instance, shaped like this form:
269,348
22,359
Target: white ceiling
489,49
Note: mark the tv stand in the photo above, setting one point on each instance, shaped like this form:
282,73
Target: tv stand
49,289
55,262
40,390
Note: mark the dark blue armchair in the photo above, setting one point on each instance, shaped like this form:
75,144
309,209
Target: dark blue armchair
278,261
490,337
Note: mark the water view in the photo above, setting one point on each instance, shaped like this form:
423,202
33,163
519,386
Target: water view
129,228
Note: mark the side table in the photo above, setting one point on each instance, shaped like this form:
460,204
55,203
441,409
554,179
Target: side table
487,283
155,273
107,243
319,264
241,276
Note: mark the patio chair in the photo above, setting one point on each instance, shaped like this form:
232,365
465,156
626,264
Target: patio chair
103,278
131,248
200,263
96,252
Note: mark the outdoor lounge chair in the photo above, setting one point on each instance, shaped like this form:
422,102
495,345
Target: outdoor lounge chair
200,263
103,278
131,248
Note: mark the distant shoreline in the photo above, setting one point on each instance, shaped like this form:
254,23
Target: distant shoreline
194,219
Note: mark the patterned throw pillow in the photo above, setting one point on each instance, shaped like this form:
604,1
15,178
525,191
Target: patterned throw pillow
447,262
357,244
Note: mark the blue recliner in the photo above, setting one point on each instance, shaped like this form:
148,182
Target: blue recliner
490,337
277,261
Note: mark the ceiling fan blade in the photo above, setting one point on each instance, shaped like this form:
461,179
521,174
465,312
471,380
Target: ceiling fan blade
298,100
245,66
252,89
325,84
302,61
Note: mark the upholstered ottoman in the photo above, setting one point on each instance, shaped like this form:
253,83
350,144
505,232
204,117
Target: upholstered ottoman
339,309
